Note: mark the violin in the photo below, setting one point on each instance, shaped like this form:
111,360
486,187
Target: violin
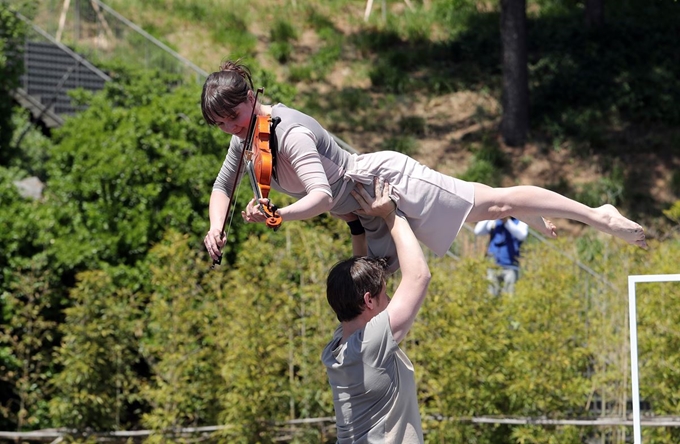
263,158
260,167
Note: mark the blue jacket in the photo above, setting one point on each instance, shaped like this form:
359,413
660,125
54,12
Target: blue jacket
503,246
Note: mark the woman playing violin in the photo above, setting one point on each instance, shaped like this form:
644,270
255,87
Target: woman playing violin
311,167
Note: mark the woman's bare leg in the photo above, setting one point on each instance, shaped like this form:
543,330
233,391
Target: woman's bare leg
530,204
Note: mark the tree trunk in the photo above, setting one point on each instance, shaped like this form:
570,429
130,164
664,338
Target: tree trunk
515,95
594,13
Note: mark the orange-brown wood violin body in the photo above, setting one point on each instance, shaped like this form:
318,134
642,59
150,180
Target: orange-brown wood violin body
262,155
260,168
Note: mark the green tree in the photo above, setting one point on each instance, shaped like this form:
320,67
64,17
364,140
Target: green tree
12,34
26,343
458,347
180,345
277,321
551,349
140,160
98,385
658,316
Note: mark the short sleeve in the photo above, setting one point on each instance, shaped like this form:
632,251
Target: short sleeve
378,344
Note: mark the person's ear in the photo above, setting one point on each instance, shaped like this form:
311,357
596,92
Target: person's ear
369,300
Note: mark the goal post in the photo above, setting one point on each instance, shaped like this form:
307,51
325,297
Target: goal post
633,280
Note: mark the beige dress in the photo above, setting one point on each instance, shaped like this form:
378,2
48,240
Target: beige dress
435,205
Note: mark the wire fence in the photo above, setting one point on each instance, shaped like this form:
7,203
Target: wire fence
101,34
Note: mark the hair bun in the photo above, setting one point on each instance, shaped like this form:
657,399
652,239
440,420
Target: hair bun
238,68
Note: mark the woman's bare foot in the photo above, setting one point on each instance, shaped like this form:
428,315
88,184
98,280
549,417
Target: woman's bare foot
543,226
618,226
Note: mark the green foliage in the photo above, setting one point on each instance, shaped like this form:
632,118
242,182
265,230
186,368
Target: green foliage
191,9
12,32
552,351
276,91
659,339
673,213
18,239
278,321
27,332
180,344
319,20
98,386
461,368
413,125
637,83
32,148
481,171
608,189
282,31
227,26
138,161
402,144
320,63
281,51
388,73
487,164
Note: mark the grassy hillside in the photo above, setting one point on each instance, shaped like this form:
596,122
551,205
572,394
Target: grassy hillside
425,80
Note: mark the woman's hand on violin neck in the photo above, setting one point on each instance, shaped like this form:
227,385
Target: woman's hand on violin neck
252,212
214,241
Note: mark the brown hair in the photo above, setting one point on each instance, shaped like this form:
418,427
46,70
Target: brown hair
349,280
224,90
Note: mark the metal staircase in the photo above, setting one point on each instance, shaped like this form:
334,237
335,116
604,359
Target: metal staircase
51,70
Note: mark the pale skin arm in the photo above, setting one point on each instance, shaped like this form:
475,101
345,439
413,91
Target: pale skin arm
415,274
214,240
315,203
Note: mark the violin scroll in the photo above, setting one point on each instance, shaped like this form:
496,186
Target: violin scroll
274,219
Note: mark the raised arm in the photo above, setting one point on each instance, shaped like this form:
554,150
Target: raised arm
415,274
484,227
517,228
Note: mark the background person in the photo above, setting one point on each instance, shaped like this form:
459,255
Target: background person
505,240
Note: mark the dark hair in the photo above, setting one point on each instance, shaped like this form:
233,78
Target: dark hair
349,280
224,90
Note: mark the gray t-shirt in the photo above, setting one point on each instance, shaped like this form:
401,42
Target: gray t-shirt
374,390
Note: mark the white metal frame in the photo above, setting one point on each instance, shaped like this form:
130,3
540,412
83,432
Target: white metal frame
632,280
